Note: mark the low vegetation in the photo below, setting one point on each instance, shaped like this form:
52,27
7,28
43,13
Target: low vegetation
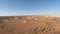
43,29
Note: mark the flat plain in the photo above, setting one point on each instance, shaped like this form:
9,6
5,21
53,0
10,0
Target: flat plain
29,25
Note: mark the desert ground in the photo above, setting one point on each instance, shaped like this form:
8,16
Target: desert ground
29,25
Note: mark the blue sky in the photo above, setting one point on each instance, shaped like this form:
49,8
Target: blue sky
29,7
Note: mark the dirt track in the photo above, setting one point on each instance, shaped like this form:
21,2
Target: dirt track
30,25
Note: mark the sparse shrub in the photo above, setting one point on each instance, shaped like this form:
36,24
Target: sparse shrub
10,30
42,29
20,17
0,22
8,19
49,25
2,27
22,32
35,29
6,29
54,18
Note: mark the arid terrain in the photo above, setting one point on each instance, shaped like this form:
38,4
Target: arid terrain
29,25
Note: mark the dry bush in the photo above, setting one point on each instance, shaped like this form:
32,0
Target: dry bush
42,29
2,27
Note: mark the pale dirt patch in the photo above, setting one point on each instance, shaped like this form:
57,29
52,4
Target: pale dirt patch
24,21
36,19
16,18
28,17
6,20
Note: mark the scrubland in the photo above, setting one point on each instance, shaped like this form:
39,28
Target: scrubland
29,25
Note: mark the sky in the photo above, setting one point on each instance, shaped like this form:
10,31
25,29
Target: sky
29,7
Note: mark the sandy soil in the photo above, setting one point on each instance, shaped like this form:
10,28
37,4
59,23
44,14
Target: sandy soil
29,25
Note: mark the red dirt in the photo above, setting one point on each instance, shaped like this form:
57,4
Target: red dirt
23,25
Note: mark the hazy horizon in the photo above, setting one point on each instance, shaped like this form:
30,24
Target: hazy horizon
29,7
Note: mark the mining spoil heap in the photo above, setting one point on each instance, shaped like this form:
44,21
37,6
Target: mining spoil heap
30,25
